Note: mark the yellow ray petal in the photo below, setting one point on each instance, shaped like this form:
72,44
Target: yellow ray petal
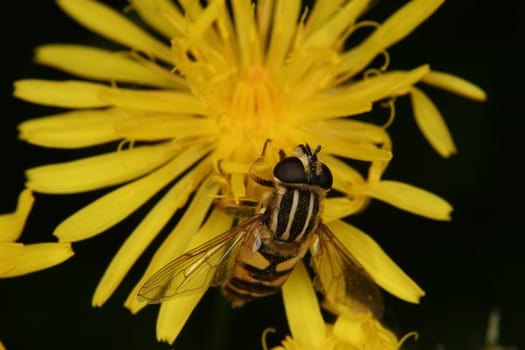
353,130
100,171
158,100
143,235
152,12
118,204
347,148
321,12
410,198
431,124
302,310
310,71
335,26
374,260
154,127
39,256
178,240
249,45
67,94
455,84
395,28
107,22
12,224
9,253
177,20
98,64
75,129
362,331
341,207
174,314
390,84
331,105
284,25
199,29
266,19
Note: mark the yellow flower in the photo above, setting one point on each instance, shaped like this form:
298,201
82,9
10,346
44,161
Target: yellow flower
352,331
19,259
225,78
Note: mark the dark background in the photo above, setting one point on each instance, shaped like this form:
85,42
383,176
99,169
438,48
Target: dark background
468,266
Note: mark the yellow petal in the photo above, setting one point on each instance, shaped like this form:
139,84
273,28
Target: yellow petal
67,94
201,26
431,124
178,240
410,198
455,84
331,105
283,29
347,148
374,260
310,71
100,171
154,127
120,203
362,332
352,130
98,64
12,225
152,12
9,253
158,100
351,329
266,17
107,22
339,208
302,310
395,28
247,37
335,26
75,129
321,12
390,84
174,313
143,235
39,256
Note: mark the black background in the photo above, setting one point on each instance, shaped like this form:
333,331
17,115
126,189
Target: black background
467,267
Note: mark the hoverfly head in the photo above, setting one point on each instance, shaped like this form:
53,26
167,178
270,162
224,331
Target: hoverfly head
304,168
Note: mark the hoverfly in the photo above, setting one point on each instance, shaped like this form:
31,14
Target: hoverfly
254,258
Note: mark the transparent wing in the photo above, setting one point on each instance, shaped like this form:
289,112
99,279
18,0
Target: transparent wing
340,277
205,265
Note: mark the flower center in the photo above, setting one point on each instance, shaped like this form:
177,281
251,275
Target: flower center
253,105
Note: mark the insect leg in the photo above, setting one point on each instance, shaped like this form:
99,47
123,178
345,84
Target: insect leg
256,178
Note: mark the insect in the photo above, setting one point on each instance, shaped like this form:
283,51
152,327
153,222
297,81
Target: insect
254,258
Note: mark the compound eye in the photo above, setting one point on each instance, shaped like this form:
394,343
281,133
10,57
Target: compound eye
325,178
290,170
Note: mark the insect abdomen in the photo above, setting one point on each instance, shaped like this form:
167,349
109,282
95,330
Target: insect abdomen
261,273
